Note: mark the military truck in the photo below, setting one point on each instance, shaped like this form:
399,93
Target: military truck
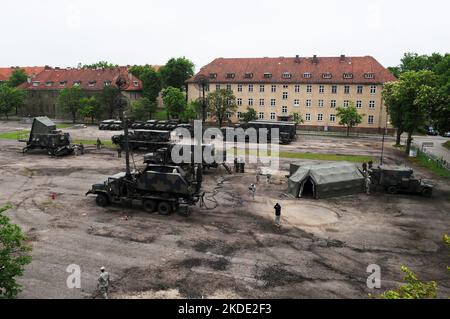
395,179
45,136
287,130
149,140
111,125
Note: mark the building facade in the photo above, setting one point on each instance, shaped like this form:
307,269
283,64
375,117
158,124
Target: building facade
312,87
43,88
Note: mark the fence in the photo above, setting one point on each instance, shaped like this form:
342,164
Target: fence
438,161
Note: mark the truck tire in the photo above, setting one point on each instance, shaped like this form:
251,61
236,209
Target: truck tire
427,192
102,200
149,206
164,208
392,190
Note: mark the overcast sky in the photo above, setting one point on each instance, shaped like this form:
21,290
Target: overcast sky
65,32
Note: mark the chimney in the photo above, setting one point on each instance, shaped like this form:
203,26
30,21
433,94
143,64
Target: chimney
297,59
47,67
29,80
342,58
315,59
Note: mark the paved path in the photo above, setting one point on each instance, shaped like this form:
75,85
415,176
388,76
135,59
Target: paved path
437,148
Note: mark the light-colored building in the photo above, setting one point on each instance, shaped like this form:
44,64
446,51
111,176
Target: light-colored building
312,87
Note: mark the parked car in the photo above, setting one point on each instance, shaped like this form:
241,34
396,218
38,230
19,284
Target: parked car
429,130
446,134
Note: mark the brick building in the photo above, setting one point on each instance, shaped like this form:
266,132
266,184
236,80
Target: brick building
32,71
313,87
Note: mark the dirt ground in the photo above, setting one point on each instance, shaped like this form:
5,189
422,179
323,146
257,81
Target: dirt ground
231,249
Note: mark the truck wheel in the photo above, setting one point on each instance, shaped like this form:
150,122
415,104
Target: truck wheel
164,208
101,200
426,192
392,190
149,206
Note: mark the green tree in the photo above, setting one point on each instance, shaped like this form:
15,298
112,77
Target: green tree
221,104
14,255
190,112
250,115
174,101
349,116
10,99
176,72
151,84
101,64
297,118
69,101
17,77
108,99
143,109
394,108
90,107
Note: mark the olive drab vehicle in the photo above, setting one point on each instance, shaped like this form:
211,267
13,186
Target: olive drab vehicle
44,135
396,179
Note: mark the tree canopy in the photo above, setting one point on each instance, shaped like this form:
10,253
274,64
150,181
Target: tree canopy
222,104
101,64
349,116
69,101
250,115
17,77
176,72
10,99
90,107
108,99
174,101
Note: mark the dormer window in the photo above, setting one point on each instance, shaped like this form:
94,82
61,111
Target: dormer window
267,75
327,75
286,75
48,83
107,83
36,83
348,75
76,83
213,75
307,75
248,75
230,76
62,83
369,75
136,83
92,83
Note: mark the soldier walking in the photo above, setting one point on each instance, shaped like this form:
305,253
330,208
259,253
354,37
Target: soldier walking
103,282
367,184
252,190
277,214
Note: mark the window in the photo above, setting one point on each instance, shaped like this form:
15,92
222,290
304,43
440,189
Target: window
284,109
261,115
285,86
250,87
229,87
320,103
261,88
217,87
348,75
207,88
297,88
136,83
306,75
239,88
239,101
107,83
321,88
309,89
320,117
273,116
49,83
369,75
36,83
286,75
92,83
308,103
296,102
250,102
346,89
261,102
334,89
213,75
371,104
346,103
62,83
248,75
285,95
359,89
307,117
76,83
373,89
327,75
332,118
272,102
274,88
359,104
230,76
370,119
333,104
239,115
267,75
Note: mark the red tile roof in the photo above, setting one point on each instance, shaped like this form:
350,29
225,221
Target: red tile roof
360,69
5,73
89,79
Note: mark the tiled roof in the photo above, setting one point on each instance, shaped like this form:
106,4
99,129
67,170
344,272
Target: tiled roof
5,73
88,79
364,70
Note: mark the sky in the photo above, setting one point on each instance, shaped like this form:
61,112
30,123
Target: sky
66,32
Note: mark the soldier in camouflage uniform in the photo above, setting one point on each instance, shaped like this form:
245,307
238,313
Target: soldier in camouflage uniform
103,282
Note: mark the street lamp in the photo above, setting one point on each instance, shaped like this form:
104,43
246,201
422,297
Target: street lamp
122,84
202,81
382,141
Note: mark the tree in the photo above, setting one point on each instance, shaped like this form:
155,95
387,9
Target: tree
174,101
151,84
14,255
394,108
108,99
190,112
297,118
143,109
221,104
349,116
90,107
10,99
250,115
176,72
17,77
69,100
101,64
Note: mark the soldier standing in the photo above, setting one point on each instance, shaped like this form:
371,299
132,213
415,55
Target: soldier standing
99,143
367,184
119,152
252,190
277,214
103,282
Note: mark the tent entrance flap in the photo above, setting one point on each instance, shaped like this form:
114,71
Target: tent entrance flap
307,188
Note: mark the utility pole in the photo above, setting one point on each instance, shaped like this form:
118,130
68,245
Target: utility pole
121,85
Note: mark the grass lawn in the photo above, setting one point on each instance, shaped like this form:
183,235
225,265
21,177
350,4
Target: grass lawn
310,156
423,161
105,143
446,145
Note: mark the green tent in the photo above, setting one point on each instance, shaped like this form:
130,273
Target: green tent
325,179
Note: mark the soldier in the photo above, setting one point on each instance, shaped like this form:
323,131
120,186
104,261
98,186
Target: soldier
268,178
370,163
75,150
277,214
252,190
258,174
99,143
367,184
103,282
364,167
119,152
82,148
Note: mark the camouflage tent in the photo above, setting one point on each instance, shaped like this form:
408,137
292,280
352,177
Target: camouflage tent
324,179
